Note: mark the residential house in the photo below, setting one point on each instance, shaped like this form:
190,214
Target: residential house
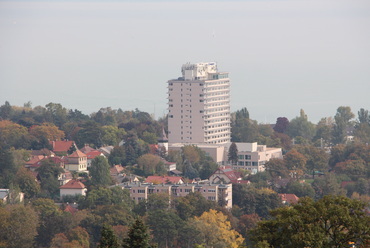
289,199
72,188
61,147
64,177
91,155
106,150
116,172
86,149
225,174
77,161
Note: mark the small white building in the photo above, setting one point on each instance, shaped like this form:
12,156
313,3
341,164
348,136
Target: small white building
73,187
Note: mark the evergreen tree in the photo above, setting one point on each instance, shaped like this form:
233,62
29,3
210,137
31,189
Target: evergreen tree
138,236
99,171
108,239
233,153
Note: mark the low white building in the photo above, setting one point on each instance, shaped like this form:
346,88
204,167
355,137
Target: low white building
73,187
251,156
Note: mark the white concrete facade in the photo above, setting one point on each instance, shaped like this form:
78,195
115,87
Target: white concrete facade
199,105
251,156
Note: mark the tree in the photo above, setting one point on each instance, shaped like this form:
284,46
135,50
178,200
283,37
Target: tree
207,169
216,231
48,174
112,135
301,127
47,131
233,154
117,156
150,164
5,111
13,135
134,148
56,113
165,226
99,171
324,131
22,228
295,162
327,185
342,122
277,168
108,239
333,221
27,183
138,235
80,235
299,189
281,125
363,116
52,221
317,159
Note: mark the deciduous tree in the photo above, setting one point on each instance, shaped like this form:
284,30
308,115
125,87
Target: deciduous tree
216,231
333,221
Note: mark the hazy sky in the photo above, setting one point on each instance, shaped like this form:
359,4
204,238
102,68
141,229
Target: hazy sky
281,55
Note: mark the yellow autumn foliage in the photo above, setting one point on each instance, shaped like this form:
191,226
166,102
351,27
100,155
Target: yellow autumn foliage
216,231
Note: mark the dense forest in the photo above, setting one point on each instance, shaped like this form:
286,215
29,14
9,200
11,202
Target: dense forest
325,164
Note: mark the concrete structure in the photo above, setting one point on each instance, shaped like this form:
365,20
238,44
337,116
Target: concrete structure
220,193
199,105
251,156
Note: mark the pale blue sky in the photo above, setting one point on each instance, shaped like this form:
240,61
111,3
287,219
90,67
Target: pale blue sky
281,55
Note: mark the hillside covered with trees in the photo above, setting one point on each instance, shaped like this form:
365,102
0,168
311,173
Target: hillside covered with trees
325,164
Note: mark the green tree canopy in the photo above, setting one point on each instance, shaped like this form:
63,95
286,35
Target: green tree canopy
99,171
333,221
138,236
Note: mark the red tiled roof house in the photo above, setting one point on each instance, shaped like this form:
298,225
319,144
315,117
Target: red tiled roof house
77,161
73,187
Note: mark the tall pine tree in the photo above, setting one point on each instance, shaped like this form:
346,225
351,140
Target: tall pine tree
138,236
233,154
108,239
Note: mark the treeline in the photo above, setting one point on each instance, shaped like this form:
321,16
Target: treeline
320,160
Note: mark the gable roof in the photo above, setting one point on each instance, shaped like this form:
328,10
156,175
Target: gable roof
163,179
228,172
86,149
73,184
116,169
77,154
61,145
94,154
289,198
70,209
